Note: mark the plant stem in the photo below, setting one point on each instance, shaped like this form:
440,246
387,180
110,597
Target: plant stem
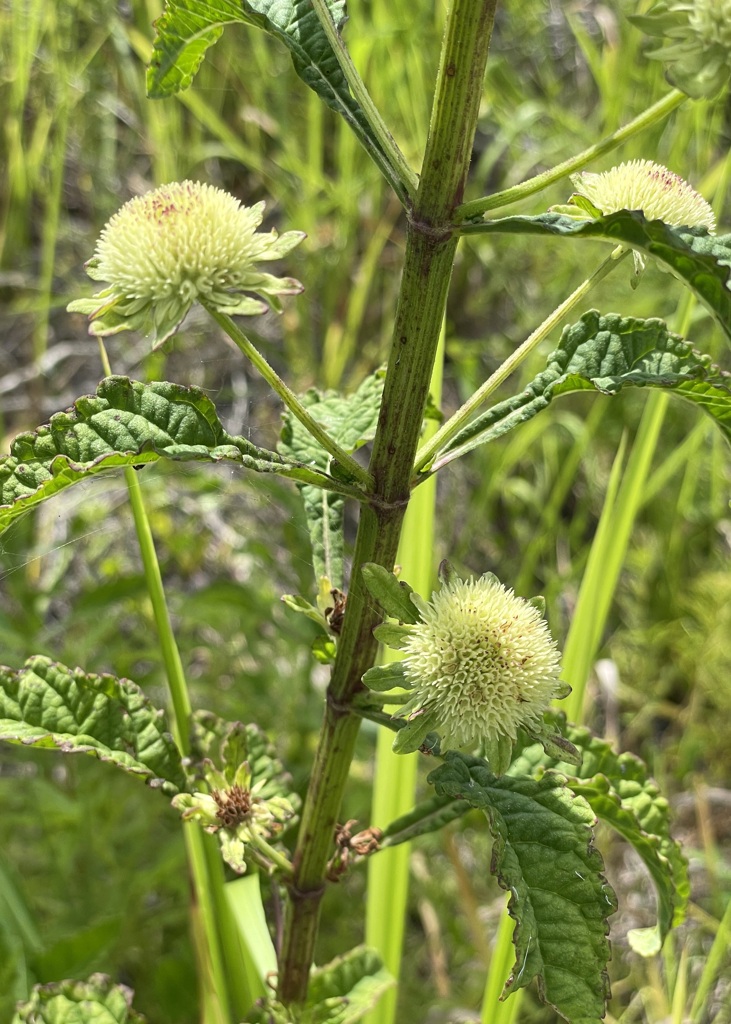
217,985
527,188
430,246
388,144
454,424
346,461
395,774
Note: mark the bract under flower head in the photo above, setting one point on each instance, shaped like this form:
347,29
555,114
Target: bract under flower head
184,242
696,36
482,661
643,185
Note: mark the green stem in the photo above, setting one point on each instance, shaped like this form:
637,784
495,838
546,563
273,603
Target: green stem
168,647
395,774
430,247
527,188
269,854
181,707
454,424
388,144
346,461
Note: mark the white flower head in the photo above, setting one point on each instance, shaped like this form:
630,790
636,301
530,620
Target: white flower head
643,185
181,243
480,664
483,660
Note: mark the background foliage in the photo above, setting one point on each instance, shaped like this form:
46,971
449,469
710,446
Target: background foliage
92,876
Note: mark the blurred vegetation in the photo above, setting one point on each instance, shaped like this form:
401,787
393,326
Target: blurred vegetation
92,871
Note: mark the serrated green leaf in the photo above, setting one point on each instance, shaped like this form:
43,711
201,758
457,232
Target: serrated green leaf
95,1001
352,422
188,27
607,353
45,704
543,855
392,594
343,991
700,260
428,816
621,793
128,423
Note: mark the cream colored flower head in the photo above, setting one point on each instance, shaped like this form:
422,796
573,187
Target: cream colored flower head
483,660
480,664
182,243
643,185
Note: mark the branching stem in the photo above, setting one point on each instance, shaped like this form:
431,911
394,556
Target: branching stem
430,247
515,193
460,418
346,461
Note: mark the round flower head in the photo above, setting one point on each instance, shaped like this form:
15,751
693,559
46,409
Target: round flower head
482,660
479,662
643,185
237,811
184,242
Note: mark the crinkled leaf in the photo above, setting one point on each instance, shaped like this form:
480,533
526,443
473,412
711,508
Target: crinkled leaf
45,704
543,855
428,816
392,594
352,422
701,260
127,423
229,744
188,27
343,991
96,1001
621,793
608,353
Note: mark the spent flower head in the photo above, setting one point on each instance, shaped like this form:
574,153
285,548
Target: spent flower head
696,43
237,812
181,243
480,664
644,185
